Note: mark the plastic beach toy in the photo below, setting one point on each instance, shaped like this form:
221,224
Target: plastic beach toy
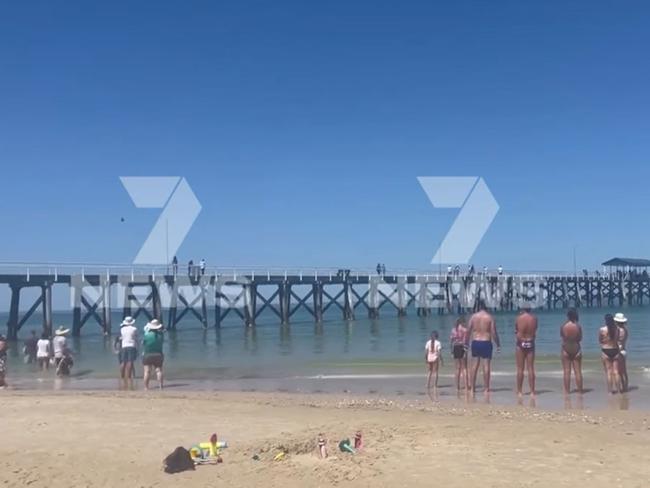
206,450
345,446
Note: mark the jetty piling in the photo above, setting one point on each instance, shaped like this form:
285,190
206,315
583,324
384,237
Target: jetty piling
282,293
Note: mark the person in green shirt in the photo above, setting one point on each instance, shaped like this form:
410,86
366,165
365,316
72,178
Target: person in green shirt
153,352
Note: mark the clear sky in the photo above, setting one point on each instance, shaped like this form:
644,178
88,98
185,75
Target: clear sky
302,127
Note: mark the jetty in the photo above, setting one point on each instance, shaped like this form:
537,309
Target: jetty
211,295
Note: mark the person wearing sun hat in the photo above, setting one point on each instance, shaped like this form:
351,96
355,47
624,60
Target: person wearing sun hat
621,322
128,350
59,344
153,352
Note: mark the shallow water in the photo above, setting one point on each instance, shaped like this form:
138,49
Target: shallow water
336,355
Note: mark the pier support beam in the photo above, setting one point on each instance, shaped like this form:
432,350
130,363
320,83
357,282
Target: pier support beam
173,306
217,306
422,307
76,311
204,307
250,304
402,301
348,306
155,302
126,308
46,293
16,322
317,293
373,298
12,324
106,307
285,302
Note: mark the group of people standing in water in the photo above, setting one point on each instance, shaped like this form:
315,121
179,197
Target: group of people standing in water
479,335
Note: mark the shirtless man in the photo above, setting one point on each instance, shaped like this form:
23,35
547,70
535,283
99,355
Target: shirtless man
525,332
571,334
482,333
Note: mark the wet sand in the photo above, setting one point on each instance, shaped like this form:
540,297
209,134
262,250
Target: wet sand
94,439
389,383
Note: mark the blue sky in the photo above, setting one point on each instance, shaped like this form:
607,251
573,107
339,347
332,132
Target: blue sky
302,128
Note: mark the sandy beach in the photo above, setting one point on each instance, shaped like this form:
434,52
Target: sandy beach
119,439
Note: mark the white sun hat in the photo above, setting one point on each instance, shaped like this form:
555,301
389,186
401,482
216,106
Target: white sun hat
127,321
154,325
620,318
61,331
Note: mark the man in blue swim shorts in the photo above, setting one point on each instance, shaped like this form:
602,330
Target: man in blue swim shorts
482,333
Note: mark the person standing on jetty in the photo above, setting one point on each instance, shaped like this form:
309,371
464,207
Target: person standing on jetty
482,333
571,334
621,322
608,339
458,342
128,350
525,333
152,345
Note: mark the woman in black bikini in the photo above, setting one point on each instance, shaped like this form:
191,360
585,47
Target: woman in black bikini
571,334
608,339
458,341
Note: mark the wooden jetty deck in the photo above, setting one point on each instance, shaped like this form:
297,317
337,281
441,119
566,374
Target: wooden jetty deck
248,293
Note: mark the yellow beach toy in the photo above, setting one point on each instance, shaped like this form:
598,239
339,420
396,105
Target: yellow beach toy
208,452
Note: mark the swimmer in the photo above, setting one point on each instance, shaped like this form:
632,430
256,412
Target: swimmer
571,353
525,333
482,333
608,337
433,358
621,322
458,342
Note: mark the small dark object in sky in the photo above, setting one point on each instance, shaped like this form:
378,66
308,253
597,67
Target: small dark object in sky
121,219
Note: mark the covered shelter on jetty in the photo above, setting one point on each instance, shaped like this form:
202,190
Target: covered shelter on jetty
635,266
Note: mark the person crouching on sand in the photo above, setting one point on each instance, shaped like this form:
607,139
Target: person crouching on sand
433,358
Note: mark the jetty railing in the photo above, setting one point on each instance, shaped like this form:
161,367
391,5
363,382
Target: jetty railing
246,292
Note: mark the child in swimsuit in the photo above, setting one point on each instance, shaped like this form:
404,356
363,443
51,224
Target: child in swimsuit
433,357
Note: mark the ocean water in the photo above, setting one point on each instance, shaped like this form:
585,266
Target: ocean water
380,346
